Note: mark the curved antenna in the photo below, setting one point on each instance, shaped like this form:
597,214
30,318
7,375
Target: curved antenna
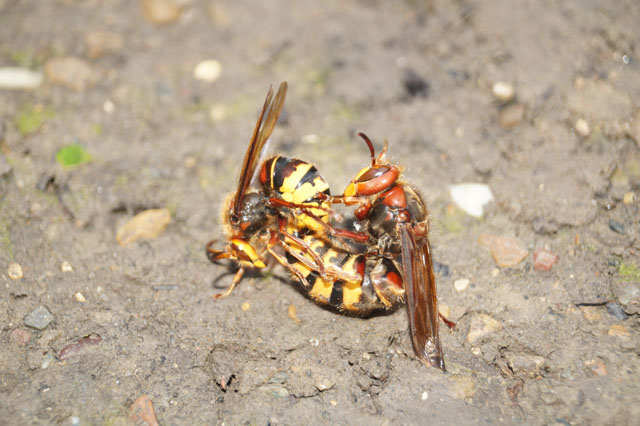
370,145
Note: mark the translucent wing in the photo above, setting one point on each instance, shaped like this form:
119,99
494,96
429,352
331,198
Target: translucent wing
261,133
421,299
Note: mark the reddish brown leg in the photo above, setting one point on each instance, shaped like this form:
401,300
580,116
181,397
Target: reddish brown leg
283,261
215,255
449,323
336,232
282,203
317,264
236,279
360,237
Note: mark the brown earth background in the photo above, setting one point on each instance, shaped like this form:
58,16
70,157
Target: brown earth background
561,156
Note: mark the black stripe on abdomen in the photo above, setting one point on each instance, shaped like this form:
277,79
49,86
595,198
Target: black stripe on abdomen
309,177
283,168
335,299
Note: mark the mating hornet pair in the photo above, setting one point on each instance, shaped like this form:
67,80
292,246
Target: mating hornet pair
374,261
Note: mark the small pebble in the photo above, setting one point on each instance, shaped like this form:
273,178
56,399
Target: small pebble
582,127
148,224
591,314
629,297
333,402
441,269
543,260
39,318
46,361
511,116
506,251
101,43
481,326
628,198
108,107
14,271
142,412
324,384
524,363
280,377
66,267
461,284
72,73
414,84
495,272
209,70
618,330
245,306
444,309
79,297
425,395
616,226
14,78
471,197
79,346
292,313
504,91
20,336
597,367
617,311
160,12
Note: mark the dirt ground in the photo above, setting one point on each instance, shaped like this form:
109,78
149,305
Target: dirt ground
561,157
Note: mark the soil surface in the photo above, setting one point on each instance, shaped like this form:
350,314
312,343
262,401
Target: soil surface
89,326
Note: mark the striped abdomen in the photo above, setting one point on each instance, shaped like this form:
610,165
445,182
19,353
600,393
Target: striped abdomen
298,182
376,282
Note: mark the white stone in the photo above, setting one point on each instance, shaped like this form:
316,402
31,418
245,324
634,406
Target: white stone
14,271
471,197
461,284
582,127
15,78
504,91
209,70
108,107
65,266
